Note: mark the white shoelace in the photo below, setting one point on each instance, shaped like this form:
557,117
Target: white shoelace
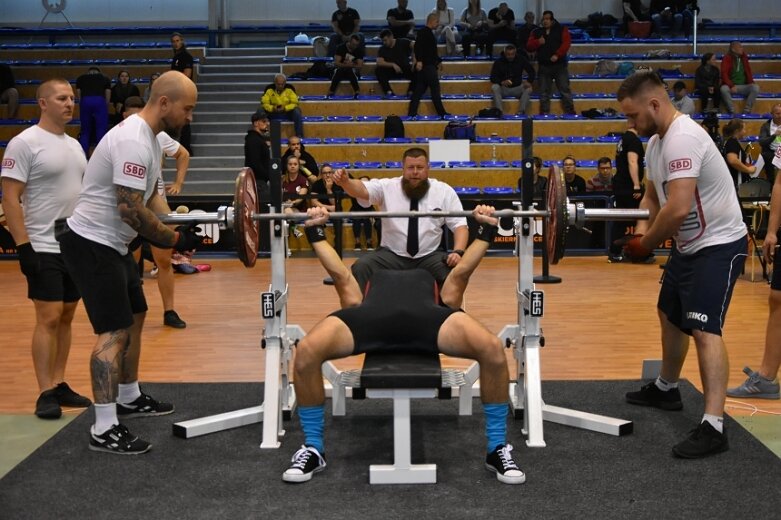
301,457
507,460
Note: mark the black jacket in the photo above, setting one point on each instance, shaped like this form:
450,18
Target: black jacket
306,159
426,48
257,155
706,76
503,69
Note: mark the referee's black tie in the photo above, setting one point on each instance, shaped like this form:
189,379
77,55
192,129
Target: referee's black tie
412,230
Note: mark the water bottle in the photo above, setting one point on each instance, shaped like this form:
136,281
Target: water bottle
494,135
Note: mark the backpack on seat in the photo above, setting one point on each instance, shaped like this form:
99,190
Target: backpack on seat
461,130
394,126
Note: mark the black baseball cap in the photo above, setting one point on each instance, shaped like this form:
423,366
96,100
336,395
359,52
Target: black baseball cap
258,115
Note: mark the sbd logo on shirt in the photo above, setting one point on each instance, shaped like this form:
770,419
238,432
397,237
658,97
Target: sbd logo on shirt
678,165
8,163
134,170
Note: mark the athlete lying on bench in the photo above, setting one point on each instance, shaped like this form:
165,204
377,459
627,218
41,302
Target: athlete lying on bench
399,309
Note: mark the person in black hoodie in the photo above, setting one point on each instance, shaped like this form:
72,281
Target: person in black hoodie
296,147
257,155
707,79
551,43
507,78
426,67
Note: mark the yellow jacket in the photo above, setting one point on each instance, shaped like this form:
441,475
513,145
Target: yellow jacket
271,99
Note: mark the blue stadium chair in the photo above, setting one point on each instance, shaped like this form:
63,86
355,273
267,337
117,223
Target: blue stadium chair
544,117
337,140
341,97
340,164
498,190
437,164
313,119
586,164
514,117
572,117
423,140
427,118
466,190
462,164
548,164
368,140
514,139
367,165
478,77
453,77
339,119
455,96
294,59
580,139
608,138
369,97
393,164
480,96
550,139
314,98
397,140
490,139
494,164
369,118
311,140
516,164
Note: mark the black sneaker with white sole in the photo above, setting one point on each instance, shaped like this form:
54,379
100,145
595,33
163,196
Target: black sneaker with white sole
144,406
67,397
118,440
305,462
651,395
500,461
702,441
48,406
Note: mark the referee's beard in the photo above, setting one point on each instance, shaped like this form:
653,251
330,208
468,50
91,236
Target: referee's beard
414,191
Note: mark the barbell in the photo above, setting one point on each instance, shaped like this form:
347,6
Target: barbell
244,216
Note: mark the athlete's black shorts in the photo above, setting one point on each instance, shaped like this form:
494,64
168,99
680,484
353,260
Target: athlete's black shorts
109,282
697,288
400,311
775,277
52,282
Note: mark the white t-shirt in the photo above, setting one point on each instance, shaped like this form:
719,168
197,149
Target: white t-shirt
129,155
170,146
688,151
388,195
51,166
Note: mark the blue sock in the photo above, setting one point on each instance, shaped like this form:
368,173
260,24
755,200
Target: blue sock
312,420
495,424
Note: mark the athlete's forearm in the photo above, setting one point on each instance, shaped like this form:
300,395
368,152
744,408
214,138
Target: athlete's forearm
135,214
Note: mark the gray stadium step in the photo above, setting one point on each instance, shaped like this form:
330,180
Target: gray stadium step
251,96
245,51
243,106
230,76
224,116
205,160
214,150
243,60
234,69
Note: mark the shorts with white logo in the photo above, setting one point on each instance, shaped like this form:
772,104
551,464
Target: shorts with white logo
696,288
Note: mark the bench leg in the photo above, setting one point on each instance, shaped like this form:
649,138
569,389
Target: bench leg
402,471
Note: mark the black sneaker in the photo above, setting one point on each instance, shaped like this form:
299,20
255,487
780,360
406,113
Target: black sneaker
48,406
650,395
702,441
171,319
119,440
144,406
500,461
68,397
306,462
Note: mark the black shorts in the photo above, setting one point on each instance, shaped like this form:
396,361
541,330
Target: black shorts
52,282
697,288
109,282
385,327
775,277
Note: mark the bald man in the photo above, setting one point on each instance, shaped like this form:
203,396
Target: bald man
119,201
41,175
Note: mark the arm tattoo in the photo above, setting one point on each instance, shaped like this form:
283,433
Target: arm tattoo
135,214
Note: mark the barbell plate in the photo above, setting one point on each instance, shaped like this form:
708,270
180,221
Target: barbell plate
558,219
246,228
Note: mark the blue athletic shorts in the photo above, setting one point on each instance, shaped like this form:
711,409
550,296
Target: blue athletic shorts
696,288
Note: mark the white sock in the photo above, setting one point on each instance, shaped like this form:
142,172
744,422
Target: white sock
661,384
105,417
128,392
715,421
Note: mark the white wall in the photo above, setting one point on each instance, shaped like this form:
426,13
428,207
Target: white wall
189,12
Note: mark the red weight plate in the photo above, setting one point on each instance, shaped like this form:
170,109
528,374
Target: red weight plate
245,228
556,228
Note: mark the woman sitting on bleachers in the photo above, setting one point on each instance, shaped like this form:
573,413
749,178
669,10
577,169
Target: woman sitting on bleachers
148,90
707,79
122,90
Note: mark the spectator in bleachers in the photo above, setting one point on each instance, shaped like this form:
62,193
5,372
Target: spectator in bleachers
738,161
362,227
257,156
446,30
673,14
603,180
770,141
394,62
540,182
122,90
551,43
627,186
681,100
524,31
501,27
325,188
280,101
148,91
707,79
348,61
8,93
474,28
427,64
507,79
736,78
297,148
634,11
184,63
346,22
41,179
401,21
576,185
94,92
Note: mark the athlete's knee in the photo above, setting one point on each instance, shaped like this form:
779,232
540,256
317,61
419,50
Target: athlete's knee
309,356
